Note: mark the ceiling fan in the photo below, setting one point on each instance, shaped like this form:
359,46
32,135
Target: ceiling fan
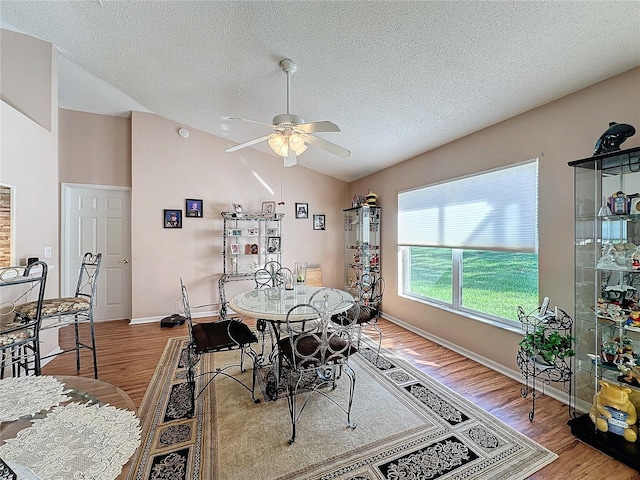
291,133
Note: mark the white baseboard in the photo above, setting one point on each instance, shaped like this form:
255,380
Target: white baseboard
549,390
139,321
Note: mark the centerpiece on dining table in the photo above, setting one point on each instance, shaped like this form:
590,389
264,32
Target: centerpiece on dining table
300,275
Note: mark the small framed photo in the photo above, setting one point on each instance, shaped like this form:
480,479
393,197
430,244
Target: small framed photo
194,208
173,219
302,210
318,222
273,244
635,206
234,249
252,232
237,209
268,209
272,232
234,232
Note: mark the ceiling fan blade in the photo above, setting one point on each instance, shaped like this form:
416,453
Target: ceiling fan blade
248,144
324,126
291,160
251,121
328,146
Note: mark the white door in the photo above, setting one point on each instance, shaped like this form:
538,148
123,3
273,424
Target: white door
97,219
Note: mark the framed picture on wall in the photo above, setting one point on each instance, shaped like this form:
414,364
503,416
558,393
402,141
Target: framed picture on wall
318,222
173,219
302,210
194,208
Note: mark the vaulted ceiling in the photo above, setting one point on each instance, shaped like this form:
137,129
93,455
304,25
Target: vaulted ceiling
398,77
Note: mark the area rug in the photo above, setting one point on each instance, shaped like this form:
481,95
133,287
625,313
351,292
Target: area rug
409,426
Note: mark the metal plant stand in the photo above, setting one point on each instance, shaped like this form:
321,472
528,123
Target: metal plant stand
538,372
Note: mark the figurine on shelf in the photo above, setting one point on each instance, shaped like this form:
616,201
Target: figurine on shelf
635,259
611,351
608,258
613,137
371,199
613,411
630,374
634,319
619,203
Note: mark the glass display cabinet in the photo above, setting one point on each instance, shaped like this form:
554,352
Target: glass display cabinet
249,241
361,245
607,280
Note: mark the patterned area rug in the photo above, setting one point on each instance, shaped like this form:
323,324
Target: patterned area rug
409,426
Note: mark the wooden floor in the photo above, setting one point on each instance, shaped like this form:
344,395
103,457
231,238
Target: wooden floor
127,357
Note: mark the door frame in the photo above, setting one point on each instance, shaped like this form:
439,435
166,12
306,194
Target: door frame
69,279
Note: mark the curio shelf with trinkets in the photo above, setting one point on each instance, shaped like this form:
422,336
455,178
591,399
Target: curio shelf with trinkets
249,241
361,245
607,309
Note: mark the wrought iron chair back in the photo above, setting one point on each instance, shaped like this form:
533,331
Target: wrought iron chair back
73,310
20,336
316,352
272,274
370,302
216,336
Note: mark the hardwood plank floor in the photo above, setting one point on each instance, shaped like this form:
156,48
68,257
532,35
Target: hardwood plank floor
128,354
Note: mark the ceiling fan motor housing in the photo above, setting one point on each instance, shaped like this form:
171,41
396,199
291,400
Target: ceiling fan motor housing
287,120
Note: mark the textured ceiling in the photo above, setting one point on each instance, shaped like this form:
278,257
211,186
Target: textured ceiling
399,78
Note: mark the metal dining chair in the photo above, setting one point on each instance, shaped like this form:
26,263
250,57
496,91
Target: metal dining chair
272,274
369,303
216,336
316,353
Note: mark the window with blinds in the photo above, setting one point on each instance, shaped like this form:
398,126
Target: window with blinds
471,244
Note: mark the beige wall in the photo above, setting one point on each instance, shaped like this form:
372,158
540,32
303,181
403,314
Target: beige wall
167,169
558,132
29,156
27,77
94,149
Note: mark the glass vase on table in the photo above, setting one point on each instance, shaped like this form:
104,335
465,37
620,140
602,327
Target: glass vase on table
300,274
288,282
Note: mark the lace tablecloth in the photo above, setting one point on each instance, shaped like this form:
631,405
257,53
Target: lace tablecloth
24,396
79,441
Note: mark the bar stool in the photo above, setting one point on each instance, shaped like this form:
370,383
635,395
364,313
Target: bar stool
72,310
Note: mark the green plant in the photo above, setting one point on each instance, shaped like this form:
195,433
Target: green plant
547,345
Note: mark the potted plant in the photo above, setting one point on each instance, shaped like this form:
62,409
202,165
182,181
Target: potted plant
547,347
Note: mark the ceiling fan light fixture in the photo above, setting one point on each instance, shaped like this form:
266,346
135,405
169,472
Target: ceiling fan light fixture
296,143
279,144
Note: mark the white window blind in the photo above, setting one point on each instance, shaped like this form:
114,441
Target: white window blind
496,210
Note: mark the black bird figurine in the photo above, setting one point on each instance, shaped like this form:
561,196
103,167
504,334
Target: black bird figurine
611,139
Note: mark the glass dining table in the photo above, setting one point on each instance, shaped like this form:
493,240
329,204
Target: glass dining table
274,303
270,307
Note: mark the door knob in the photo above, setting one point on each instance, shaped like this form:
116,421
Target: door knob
125,261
